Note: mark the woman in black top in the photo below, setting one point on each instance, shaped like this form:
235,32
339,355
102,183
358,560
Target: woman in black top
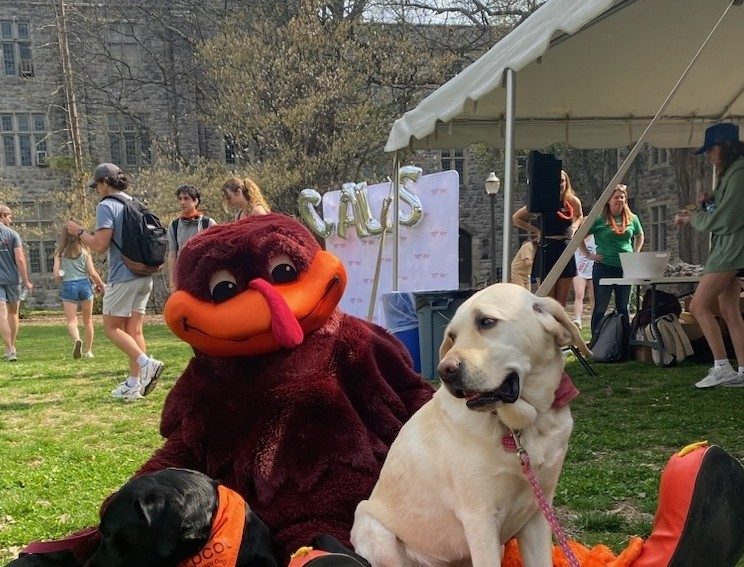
559,228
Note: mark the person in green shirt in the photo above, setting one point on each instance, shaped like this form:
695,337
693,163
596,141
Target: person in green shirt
721,215
617,230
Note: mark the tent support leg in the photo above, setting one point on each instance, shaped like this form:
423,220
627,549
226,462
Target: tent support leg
511,98
396,208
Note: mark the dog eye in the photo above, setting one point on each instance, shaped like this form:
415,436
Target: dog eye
486,322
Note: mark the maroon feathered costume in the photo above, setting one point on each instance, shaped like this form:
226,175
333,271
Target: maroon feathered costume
299,431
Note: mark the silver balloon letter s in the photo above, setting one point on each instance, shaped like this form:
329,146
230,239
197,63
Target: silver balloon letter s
306,202
408,176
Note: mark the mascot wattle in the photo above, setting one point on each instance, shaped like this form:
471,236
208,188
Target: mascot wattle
288,400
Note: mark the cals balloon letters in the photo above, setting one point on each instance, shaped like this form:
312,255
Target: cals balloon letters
354,208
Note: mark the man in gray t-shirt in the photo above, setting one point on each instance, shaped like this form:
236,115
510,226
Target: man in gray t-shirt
190,222
126,294
13,272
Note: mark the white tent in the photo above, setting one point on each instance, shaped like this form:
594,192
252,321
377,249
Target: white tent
593,74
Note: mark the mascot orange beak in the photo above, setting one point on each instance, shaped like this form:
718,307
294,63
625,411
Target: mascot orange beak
264,317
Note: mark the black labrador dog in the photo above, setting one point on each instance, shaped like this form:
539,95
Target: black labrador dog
164,518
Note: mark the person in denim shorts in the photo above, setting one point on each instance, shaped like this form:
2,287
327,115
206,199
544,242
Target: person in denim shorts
13,271
74,269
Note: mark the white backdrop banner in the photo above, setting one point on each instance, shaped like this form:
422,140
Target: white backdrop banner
428,253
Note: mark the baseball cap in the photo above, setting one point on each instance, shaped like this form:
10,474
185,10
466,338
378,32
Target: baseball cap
104,171
714,135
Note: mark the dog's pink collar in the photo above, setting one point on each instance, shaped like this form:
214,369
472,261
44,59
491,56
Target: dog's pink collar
565,393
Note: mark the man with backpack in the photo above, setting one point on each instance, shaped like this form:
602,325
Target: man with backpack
191,222
134,241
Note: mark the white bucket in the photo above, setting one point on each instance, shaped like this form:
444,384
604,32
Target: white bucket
643,265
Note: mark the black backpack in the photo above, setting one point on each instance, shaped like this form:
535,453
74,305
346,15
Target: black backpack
144,242
611,341
664,303
174,226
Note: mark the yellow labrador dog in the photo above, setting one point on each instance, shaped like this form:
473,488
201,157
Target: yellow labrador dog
450,493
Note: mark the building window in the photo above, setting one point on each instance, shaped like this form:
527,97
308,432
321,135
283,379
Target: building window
659,227
15,39
34,256
129,141
229,150
49,247
124,47
38,221
454,159
657,157
24,139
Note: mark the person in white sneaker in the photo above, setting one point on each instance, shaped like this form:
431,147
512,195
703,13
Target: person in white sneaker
12,271
720,214
126,294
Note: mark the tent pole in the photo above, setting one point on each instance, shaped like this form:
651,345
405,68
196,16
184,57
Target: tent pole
547,284
511,97
396,208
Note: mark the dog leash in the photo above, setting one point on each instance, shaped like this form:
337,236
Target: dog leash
511,443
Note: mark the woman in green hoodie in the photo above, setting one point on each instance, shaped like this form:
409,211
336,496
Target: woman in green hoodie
721,215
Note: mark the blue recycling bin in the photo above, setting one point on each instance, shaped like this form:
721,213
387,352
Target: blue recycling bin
434,310
402,321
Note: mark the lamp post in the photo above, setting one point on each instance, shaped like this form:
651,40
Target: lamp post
493,184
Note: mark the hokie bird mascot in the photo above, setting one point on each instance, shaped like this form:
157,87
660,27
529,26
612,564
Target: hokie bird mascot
294,404
288,400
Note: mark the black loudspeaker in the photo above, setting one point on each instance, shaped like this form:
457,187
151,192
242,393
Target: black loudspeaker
543,183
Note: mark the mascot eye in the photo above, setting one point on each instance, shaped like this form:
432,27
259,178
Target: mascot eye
486,322
222,286
282,269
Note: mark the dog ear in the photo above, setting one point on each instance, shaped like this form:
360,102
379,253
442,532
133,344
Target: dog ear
159,519
555,320
447,343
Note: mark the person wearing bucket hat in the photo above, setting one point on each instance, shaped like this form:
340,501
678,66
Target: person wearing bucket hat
126,293
720,214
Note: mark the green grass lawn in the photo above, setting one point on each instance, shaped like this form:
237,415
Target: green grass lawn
65,444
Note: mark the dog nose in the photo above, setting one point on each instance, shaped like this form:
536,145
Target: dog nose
448,370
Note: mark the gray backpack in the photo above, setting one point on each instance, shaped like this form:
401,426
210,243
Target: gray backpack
611,341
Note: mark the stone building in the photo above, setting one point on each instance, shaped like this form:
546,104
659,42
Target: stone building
136,98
